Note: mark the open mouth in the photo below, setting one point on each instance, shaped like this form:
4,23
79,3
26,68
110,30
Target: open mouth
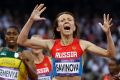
11,41
67,28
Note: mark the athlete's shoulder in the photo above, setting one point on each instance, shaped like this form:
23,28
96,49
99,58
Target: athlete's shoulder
81,41
51,43
84,44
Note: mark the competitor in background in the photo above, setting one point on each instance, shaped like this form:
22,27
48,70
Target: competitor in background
66,49
114,69
13,66
43,62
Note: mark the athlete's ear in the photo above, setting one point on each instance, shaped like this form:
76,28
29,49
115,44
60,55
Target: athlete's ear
58,29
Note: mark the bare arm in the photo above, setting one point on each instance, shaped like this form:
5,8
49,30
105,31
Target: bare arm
88,46
23,37
30,66
106,28
110,52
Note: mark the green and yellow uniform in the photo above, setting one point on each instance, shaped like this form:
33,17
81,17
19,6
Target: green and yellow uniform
11,68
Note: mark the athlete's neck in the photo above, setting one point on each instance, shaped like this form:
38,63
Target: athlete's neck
12,47
66,40
38,58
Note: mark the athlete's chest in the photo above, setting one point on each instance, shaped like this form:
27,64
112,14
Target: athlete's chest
11,54
72,50
44,67
67,52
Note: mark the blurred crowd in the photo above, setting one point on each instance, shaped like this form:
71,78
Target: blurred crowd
94,67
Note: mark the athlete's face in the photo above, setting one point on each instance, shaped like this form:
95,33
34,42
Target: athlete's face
66,24
36,50
11,36
114,69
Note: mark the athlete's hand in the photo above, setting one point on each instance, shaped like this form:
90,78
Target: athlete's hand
37,12
22,57
106,24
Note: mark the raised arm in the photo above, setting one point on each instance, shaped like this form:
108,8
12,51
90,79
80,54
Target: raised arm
110,52
23,36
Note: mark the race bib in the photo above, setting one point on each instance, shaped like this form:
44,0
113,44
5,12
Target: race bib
67,67
72,67
44,78
8,73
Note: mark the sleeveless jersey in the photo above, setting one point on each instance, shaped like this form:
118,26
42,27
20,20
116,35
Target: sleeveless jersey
11,68
44,69
67,60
